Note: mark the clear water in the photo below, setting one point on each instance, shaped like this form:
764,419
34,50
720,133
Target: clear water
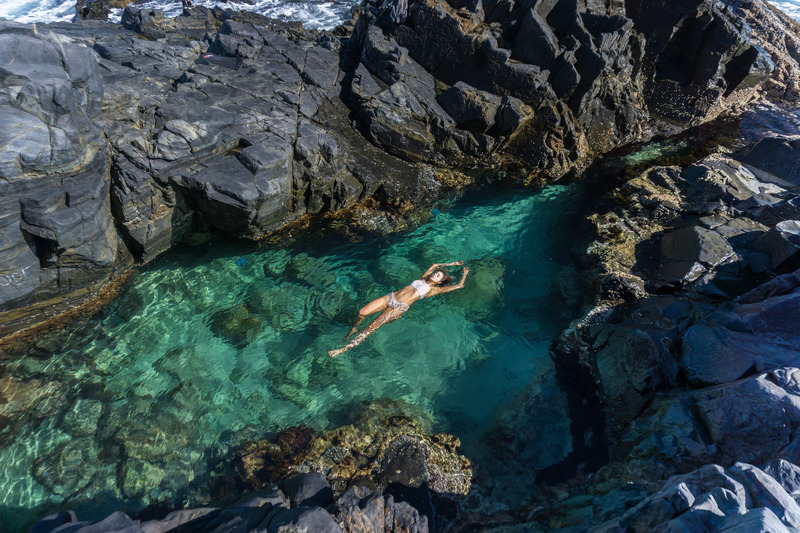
218,344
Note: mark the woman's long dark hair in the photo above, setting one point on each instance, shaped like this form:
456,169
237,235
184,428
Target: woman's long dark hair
446,280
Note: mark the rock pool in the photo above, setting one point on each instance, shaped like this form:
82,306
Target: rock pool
213,345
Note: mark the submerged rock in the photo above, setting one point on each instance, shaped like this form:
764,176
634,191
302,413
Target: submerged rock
383,446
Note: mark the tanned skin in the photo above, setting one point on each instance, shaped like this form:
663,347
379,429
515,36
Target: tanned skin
433,277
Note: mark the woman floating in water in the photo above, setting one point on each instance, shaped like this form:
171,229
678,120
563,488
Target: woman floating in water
393,305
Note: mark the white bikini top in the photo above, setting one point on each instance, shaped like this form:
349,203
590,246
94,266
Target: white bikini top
421,286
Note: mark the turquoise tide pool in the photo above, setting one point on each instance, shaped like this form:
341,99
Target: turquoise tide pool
215,345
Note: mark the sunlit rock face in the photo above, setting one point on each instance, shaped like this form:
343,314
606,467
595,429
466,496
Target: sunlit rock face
565,84
700,59
56,229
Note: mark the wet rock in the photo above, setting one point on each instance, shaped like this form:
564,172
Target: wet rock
639,209
689,252
622,286
308,490
775,160
382,436
261,461
98,9
236,325
82,419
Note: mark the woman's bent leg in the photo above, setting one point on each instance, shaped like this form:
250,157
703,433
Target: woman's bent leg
388,315
379,304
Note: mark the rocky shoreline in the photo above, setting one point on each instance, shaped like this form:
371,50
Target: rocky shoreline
124,140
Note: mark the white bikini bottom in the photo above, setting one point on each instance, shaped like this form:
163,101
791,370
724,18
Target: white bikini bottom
394,304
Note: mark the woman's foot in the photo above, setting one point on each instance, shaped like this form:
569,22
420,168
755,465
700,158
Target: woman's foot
335,353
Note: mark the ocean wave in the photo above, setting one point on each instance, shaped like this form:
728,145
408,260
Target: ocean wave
314,14
790,7
37,10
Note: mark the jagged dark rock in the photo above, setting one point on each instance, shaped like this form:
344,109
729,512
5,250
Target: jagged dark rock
707,375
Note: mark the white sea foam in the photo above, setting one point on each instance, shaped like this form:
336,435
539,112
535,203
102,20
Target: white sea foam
790,7
315,14
37,10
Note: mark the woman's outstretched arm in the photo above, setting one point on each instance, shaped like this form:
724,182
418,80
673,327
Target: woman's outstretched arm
450,288
438,265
